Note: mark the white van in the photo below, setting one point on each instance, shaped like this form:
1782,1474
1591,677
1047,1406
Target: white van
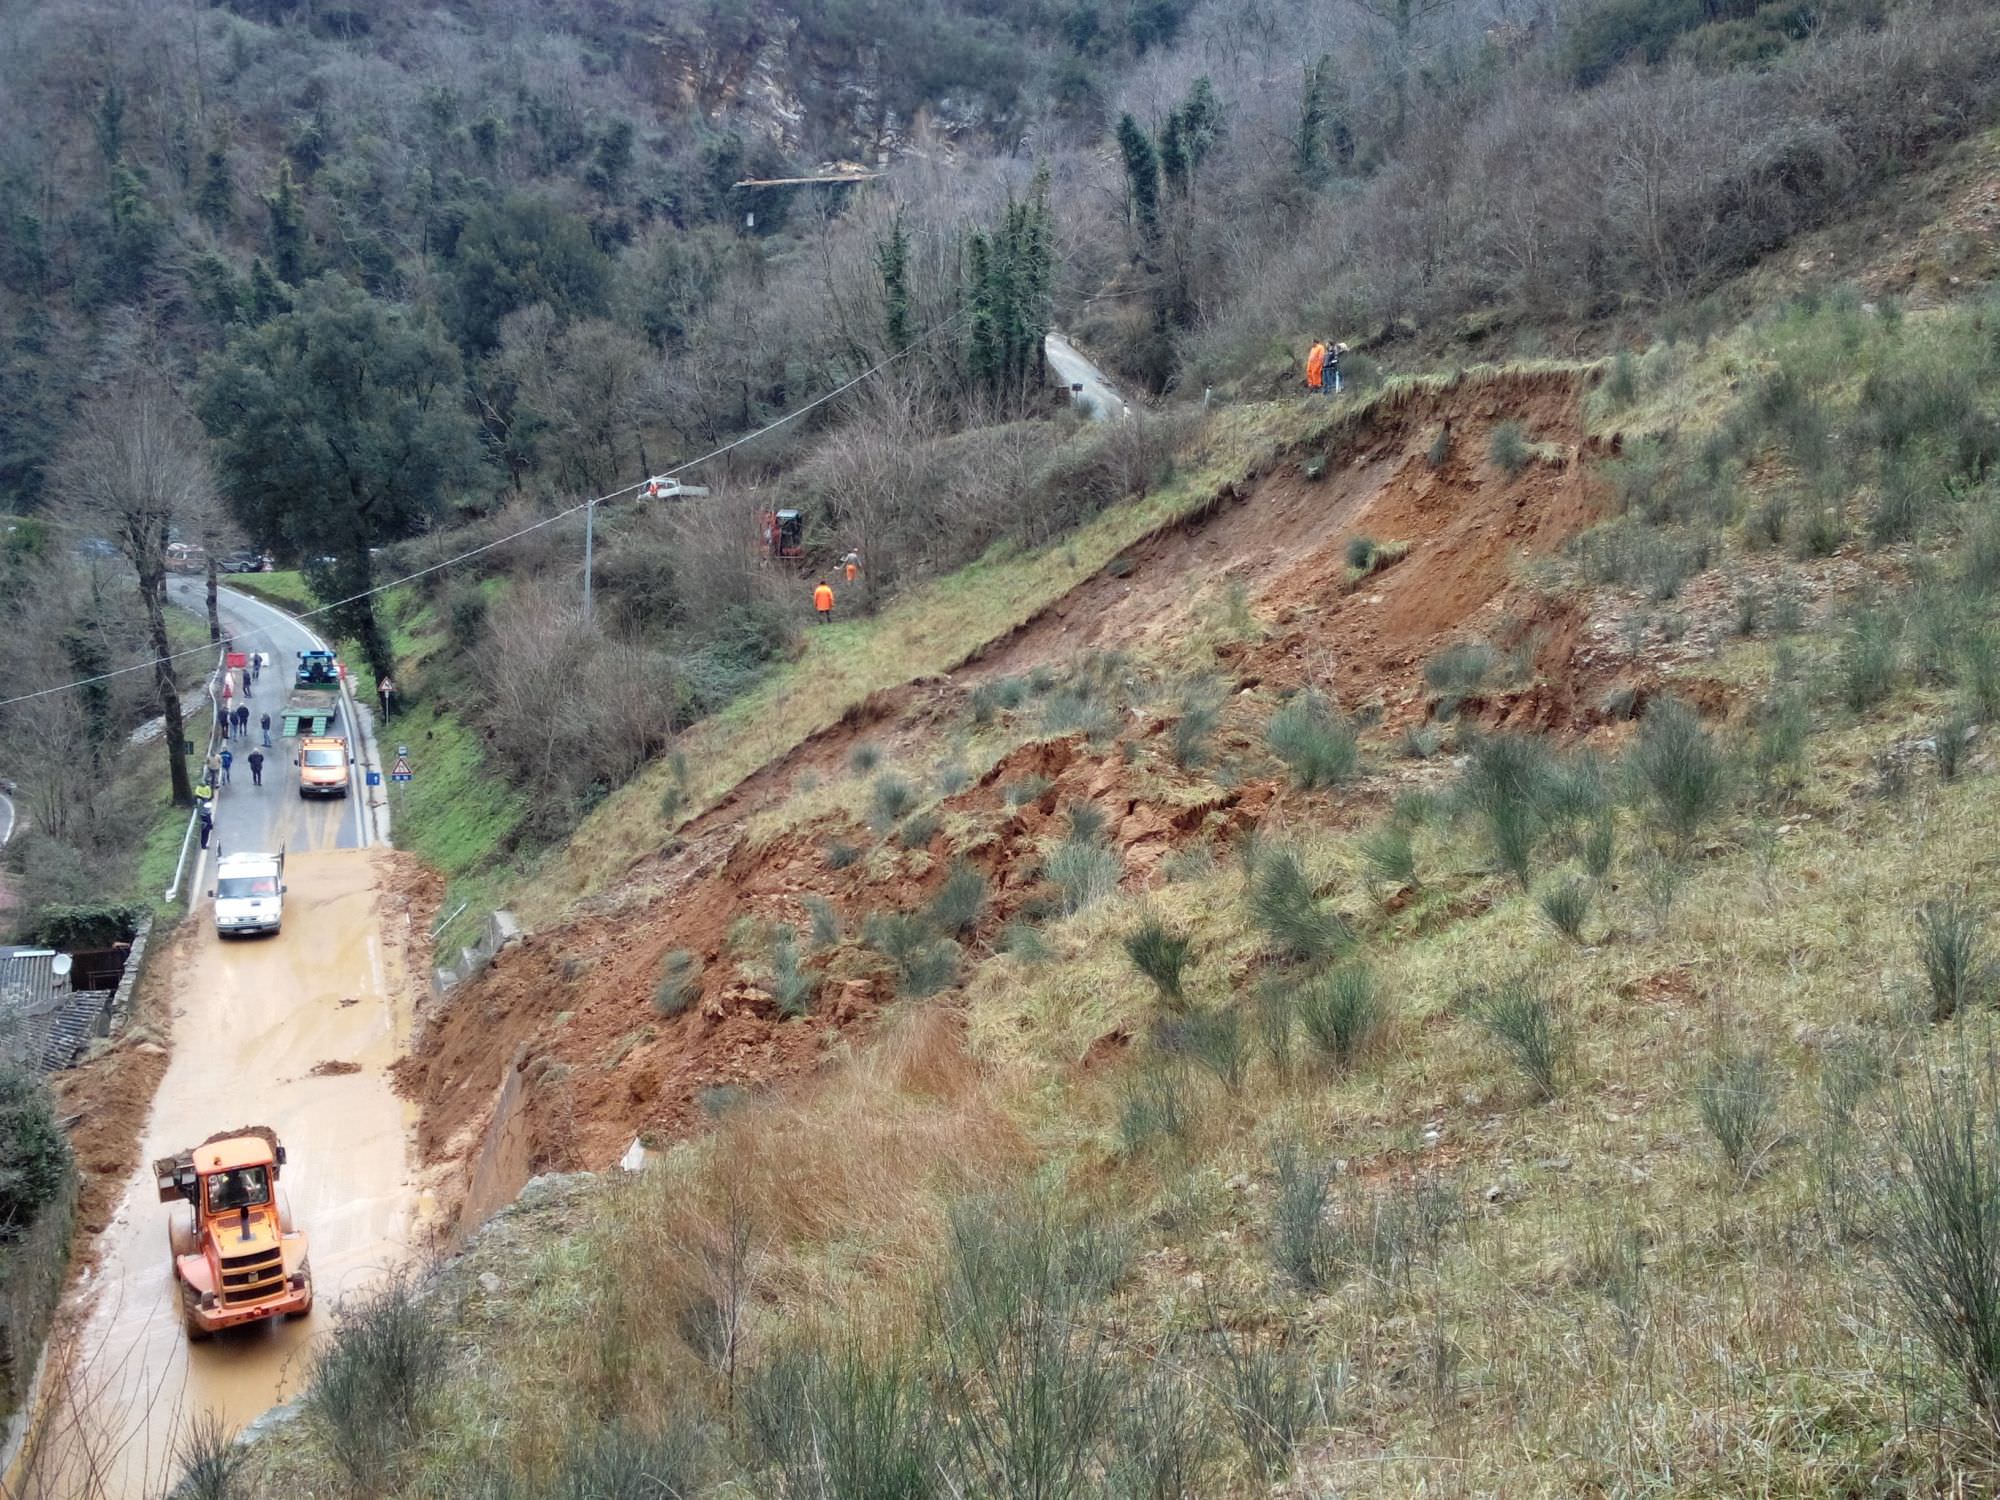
249,893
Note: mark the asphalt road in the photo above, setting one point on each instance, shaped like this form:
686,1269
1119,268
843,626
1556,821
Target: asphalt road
274,816
1097,396
299,1032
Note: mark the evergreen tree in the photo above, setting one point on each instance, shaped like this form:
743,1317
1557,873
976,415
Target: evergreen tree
268,295
215,200
1309,147
979,274
892,256
1142,178
287,230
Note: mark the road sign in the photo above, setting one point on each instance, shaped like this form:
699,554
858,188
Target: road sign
236,659
401,770
374,778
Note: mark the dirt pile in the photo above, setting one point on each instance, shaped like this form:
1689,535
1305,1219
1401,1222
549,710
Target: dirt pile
568,1016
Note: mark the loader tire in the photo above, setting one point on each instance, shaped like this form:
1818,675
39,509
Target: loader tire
189,1321
180,1234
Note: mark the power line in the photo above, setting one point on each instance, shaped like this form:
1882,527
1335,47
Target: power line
549,520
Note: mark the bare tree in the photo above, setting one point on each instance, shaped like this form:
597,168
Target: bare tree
133,468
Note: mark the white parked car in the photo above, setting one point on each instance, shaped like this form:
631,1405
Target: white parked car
249,893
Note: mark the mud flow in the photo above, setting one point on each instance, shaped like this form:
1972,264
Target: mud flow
257,1023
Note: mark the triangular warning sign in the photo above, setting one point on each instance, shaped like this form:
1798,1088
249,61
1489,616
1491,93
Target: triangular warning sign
402,767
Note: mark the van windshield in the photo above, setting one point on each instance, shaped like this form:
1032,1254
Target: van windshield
328,759
237,887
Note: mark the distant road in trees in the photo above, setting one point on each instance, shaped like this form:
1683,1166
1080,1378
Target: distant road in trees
1097,396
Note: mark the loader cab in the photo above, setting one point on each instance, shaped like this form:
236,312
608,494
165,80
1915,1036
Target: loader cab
237,1188
784,533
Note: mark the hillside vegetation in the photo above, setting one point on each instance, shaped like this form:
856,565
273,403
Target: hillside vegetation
1493,1075
524,224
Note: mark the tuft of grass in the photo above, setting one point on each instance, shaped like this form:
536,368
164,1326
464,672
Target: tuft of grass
1510,450
1949,742
1951,947
1086,822
793,986
1439,452
680,983
1867,660
1342,1012
1285,905
1154,1109
1600,846
1566,907
960,902
210,1460
1300,1244
864,760
1194,730
952,778
888,800
373,1390
1318,746
1213,1040
1390,853
1523,1022
918,830
1419,742
1084,872
1162,956
839,855
1736,1095
825,921
1939,1221
1361,552
1506,786
1457,672
1273,1398
1027,789
1023,940
1682,776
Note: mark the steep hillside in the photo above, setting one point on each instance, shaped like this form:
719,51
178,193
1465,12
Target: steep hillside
1344,987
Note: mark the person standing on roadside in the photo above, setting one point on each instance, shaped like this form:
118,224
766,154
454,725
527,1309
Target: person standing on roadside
267,731
212,770
256,768
823,602
1316,368
228,756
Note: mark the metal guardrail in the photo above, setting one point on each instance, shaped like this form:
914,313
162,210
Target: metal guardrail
187,839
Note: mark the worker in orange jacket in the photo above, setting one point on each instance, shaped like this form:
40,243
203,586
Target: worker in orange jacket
1316,367
823,602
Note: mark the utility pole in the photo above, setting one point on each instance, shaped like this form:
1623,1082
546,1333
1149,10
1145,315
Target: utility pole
589,540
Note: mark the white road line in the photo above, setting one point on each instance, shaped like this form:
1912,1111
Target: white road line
7,832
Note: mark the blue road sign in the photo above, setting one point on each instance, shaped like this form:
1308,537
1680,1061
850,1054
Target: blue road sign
374,778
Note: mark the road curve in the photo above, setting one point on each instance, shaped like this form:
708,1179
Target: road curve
1089,388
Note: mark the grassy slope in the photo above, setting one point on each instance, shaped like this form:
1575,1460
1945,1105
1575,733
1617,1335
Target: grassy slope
928,630
1607,1305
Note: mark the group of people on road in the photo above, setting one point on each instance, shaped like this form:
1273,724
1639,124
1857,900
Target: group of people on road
232,722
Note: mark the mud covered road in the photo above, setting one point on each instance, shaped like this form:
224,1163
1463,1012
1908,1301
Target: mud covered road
297,1032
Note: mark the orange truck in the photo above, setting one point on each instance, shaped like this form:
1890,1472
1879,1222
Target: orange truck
236,1256
322,765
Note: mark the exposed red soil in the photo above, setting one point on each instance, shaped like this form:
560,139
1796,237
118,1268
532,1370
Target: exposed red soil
570,1011
108,1098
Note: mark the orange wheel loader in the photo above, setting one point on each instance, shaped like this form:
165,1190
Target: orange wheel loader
236,1255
